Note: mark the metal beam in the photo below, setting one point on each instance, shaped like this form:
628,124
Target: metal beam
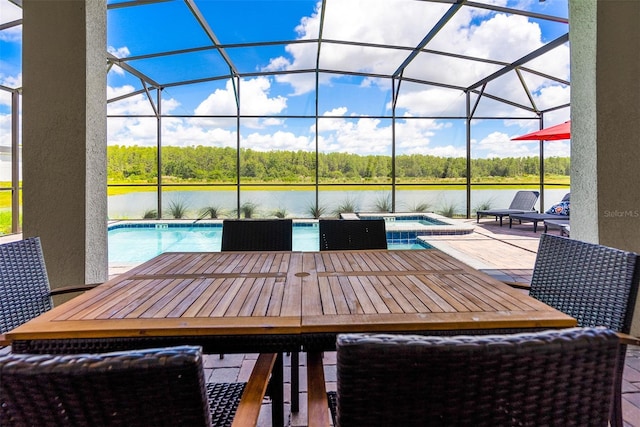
111,57
536,53
11,24
432,33
207,29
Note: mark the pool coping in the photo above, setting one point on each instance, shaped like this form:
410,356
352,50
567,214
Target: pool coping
447,226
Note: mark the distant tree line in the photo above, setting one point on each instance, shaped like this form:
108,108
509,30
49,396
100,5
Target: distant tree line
213,164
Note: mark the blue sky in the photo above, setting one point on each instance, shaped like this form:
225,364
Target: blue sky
166,26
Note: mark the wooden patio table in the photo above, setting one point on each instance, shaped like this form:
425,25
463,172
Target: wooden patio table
253,302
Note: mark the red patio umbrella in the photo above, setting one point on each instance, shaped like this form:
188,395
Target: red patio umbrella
561,131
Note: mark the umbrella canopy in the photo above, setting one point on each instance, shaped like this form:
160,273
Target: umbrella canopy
561,131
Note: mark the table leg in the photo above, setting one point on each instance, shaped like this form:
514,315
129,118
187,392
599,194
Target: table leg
295,381
276,389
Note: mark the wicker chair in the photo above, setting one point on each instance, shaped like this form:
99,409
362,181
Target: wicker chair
257,234
595,284
153,387
562,377
24,284
345,234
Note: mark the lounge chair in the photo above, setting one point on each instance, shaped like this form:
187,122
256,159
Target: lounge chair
562,377
523,201
560,224
560,213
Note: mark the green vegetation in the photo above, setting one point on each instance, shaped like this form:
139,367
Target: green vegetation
316,211
448,209
178,209
483,206
346,206
211,168
5,222
280,213
420,207
212,212
137,165
150,214
383,203
248,209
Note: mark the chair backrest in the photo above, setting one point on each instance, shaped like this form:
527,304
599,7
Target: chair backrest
595,284
24,284
345,234
562,377
257,234
153,387
524,200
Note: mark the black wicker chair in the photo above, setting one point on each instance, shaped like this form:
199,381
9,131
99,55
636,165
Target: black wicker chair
559,377
595,284
257,234
345,234
263,235
153,387
24,284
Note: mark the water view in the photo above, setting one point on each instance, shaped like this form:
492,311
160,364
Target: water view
297,204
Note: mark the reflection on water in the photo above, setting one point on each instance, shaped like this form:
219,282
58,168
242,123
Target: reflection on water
298,204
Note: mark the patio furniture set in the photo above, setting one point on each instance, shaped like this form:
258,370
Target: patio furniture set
522,209
377,308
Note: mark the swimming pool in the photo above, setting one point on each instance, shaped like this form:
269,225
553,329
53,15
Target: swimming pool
135,242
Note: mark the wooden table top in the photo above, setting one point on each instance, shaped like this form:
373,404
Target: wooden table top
233,293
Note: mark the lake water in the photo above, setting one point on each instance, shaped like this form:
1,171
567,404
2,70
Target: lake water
297,204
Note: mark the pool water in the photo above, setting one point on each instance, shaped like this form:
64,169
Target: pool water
141,242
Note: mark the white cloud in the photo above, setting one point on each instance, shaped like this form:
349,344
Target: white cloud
280,140
254,100
499,144
9,81
9,13
137,104
472,32
120,52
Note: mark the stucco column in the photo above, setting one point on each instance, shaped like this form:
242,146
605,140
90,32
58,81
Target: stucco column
605,132
64,136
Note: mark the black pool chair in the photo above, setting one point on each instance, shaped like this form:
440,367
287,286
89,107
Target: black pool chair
257,235
345,234
523,201
152,387
561,377
24,284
